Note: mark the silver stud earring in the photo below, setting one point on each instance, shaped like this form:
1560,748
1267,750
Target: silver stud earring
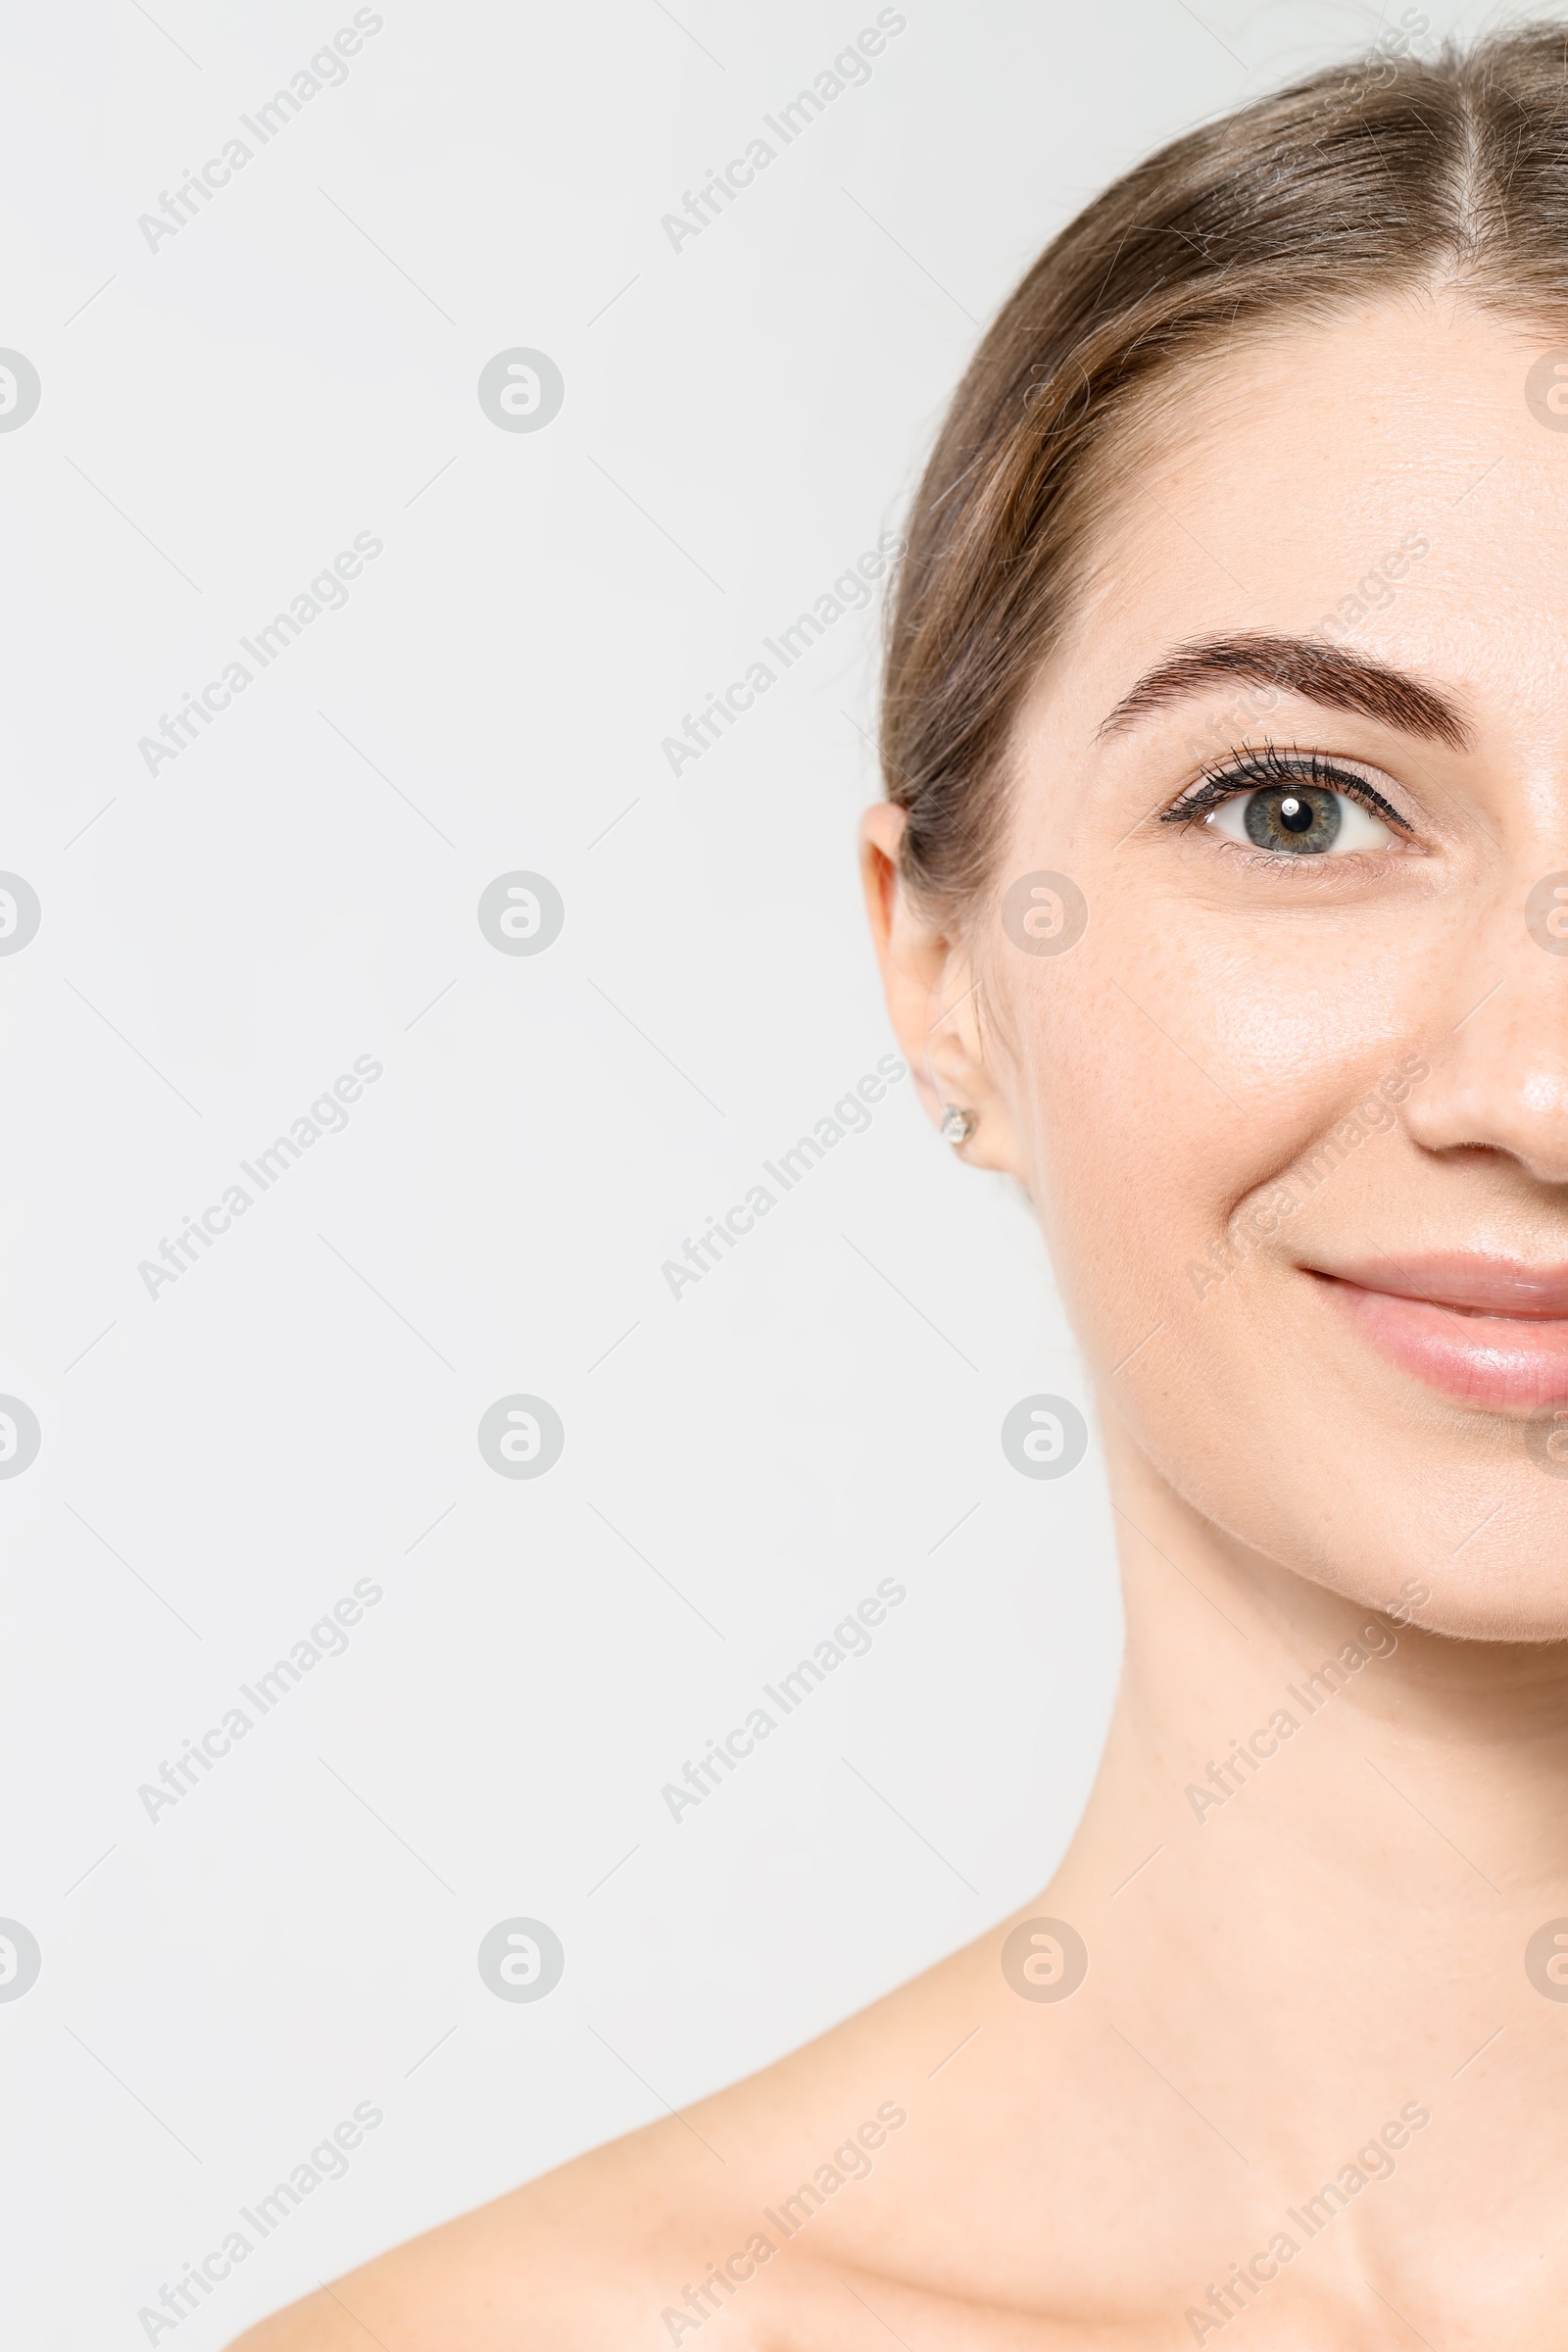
957,1124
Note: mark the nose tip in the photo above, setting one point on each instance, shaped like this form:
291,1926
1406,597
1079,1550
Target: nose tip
1497,1098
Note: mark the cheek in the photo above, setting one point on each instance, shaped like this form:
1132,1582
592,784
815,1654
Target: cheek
1174,1074
1173,1078
1167,1074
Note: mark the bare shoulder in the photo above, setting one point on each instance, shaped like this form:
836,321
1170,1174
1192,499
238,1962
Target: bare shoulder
760,2202
580,2255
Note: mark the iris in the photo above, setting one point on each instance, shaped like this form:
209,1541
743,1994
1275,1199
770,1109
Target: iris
1294,817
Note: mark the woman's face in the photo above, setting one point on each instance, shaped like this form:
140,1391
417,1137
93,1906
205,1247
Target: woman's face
1294,1108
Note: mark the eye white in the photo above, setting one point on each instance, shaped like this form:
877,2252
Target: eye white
1361,832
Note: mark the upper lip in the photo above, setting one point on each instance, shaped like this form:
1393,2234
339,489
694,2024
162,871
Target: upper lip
1465,1281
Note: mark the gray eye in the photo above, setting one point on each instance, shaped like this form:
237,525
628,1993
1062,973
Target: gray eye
1300,820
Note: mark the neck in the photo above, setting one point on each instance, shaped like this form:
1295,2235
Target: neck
1320,1842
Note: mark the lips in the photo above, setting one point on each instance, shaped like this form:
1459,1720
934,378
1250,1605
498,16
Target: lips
1491,1331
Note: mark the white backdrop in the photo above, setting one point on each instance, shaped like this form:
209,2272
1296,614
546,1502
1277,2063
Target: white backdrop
235,388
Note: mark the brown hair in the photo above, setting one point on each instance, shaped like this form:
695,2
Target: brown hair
1396,175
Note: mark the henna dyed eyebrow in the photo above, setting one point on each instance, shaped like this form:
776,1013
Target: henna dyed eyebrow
1324,674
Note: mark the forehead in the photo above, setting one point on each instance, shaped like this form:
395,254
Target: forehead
1272,490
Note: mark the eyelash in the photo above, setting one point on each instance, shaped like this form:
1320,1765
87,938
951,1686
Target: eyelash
1253,771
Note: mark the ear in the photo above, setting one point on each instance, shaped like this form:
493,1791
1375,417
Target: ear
933,995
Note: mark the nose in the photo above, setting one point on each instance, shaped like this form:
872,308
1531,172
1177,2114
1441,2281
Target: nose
1499,1047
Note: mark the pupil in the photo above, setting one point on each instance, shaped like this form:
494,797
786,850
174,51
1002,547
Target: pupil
1296,815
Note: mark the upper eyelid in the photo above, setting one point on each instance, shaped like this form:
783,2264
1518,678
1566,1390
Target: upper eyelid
1220,784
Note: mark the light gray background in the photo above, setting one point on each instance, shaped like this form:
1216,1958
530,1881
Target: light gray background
220,1464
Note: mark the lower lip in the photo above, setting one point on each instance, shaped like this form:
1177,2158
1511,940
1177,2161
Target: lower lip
1501,1362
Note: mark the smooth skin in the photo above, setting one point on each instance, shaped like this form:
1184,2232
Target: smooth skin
1339,1943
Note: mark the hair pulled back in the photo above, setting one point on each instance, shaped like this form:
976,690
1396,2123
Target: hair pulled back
1396,173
